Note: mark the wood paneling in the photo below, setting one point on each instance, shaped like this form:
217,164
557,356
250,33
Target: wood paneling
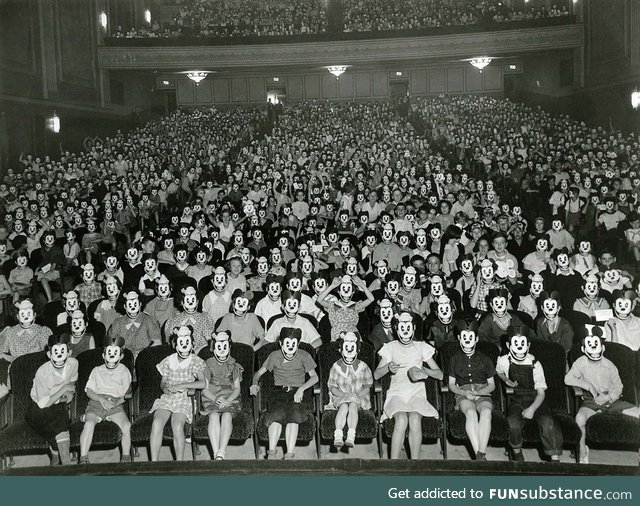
329,86
455,80
257,91
418,81
312,86
185,92
295,88
437,80
473,79
380,84
345,86
204,92
363,84
239,89
492,78
221,90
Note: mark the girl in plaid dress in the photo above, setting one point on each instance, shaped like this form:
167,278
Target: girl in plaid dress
180,372
349,384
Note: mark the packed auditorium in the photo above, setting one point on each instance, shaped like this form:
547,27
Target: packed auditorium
200,199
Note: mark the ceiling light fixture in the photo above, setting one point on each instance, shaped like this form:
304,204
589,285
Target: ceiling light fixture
197,75
337,70
481,62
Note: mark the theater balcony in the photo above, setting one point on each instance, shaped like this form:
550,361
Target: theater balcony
496,39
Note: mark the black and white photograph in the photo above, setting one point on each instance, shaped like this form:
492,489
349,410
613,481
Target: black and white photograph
320,237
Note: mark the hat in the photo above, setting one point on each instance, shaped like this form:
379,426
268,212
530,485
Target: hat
77,314
87,267
70,295
162,280
220,270
110,280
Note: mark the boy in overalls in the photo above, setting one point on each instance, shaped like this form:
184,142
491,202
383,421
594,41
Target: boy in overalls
521,371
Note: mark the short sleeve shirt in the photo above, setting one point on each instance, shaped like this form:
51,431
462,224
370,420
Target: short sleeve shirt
289,372
476,369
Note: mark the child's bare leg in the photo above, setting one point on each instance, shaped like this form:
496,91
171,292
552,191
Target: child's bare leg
226,426
177,426
484,429
214,432
122,421
341,420
415,434
160,419
633,412
471,423
352,423
87,434
291,437
275,429
47,289
398,436
582,416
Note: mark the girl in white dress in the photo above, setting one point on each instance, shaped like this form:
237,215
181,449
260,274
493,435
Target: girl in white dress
406,400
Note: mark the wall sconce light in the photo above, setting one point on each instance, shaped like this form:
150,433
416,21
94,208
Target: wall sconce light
635,99
54,123
102,19
147,16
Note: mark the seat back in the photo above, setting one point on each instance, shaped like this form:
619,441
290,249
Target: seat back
87,361
625,360
148,376
554,363
22,372
329,354
244,355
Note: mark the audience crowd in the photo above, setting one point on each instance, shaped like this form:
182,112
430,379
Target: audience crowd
252,18
402,228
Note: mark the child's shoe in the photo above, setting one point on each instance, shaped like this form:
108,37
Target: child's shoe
271,454
85,460
125,459
351,438
219,455
518,456
337,439
481,456
289,456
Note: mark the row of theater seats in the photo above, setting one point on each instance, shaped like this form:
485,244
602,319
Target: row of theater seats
609,431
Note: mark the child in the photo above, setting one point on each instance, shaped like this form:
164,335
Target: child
406,398
288,366
180,372
106,389
21,277
598,377
53,387
471,380
221,398
632,234
349,384
521,371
